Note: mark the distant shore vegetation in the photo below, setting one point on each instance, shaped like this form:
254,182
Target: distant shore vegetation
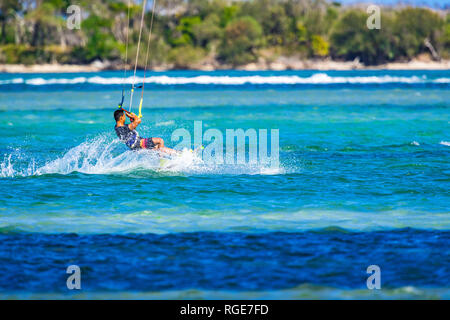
219,32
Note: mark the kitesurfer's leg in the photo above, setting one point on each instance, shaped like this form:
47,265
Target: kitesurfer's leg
157,144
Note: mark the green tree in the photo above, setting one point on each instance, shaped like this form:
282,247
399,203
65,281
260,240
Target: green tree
100,42
207,31
319,46
414,25
229,13
301,32
184,32
8,10
242,36
350,39
276,26
44,22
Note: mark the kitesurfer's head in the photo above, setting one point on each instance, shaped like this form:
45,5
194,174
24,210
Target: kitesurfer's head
119,115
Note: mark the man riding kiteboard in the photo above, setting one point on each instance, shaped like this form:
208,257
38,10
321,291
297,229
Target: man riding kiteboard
127,133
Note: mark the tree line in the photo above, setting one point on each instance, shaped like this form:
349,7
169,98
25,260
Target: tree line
231,33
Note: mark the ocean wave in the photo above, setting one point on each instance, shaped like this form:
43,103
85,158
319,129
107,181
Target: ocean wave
442,80
315,79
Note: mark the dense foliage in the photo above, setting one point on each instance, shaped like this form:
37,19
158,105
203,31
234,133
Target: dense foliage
231,33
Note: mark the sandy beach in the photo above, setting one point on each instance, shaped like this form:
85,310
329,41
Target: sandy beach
280,63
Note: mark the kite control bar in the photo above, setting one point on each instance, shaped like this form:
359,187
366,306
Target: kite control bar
120,107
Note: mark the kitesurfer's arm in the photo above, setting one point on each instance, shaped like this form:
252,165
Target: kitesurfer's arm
136,120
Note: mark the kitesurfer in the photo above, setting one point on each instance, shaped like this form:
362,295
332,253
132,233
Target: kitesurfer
128,134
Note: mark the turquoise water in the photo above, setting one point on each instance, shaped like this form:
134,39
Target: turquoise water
363,179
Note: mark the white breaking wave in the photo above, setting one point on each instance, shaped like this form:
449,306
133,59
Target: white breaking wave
315,79
445,143
12,81
442,80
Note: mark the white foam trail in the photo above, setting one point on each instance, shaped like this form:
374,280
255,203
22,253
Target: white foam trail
315,79
98,156
185,161
445,143
92,157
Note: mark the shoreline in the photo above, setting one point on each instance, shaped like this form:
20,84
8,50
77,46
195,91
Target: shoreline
280,64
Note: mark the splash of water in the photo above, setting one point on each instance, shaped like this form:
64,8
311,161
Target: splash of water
6,168
103,156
